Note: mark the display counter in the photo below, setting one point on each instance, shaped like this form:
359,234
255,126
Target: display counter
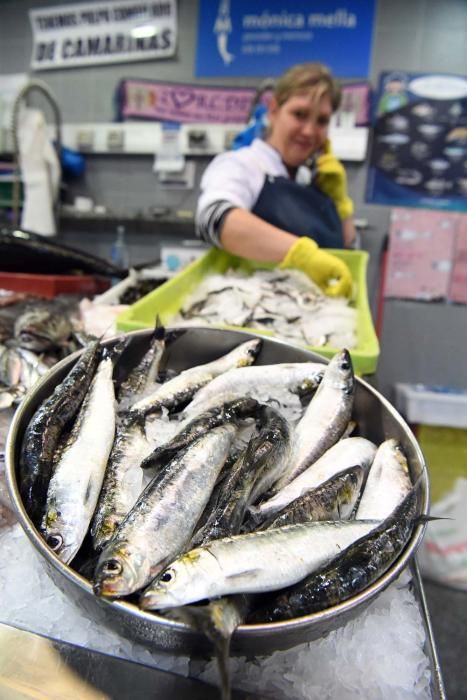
386,651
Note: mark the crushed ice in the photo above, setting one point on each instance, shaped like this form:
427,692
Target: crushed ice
380,654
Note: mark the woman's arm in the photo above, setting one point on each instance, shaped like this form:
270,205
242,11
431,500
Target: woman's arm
248,236
348,231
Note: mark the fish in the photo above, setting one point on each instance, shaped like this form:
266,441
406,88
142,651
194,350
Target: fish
218,620
77,479
236,411
46,426
346,453
11,395
255,470
388,481
222,488
325,419
349,573
162,521
290,305
24,251
32,367
181,388
334,499
123,481
40,329
146,371
10,366
260,382
256,562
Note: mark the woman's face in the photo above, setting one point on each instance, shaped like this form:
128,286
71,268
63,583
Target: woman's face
299,127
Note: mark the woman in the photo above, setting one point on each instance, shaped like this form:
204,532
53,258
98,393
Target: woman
258,202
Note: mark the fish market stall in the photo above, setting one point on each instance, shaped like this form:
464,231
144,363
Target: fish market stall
381,634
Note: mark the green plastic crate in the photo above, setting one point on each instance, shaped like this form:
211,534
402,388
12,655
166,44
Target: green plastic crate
167,300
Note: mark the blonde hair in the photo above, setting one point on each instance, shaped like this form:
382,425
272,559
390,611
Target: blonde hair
308,77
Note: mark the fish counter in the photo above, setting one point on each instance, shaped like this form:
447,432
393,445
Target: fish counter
386,650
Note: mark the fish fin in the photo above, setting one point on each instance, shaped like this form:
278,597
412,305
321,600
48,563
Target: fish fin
430,518
159,329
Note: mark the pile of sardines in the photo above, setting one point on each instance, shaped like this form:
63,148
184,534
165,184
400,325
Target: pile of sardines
227,478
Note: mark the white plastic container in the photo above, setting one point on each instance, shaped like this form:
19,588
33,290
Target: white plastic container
443,406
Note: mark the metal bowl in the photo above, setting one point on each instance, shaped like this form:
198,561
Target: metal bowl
377,420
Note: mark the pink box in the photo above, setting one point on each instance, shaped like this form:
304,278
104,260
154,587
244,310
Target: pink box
458,286
421,254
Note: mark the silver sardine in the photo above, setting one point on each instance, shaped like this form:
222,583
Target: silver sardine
344,454
77,480
388,481
181,388
162,521
46,426
326,417
252,563
349,573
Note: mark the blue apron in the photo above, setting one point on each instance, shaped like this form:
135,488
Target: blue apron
300,209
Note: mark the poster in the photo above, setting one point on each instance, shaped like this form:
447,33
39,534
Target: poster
418,154
458,283
66,36
263,38
184,103
421,254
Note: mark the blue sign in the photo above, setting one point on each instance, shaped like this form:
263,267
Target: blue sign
263,38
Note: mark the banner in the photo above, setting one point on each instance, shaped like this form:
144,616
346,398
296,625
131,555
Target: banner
265,37
183,103
419,147
66,36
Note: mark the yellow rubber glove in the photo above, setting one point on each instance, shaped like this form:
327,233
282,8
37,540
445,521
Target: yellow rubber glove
332,180
327,271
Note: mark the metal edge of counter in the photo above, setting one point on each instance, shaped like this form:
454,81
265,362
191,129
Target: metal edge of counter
438,691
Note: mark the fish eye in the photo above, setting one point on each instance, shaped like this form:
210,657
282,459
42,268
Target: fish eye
55,542
167,576
112,567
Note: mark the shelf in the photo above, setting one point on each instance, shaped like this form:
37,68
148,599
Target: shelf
145,138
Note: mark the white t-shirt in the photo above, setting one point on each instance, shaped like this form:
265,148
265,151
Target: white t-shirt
235,179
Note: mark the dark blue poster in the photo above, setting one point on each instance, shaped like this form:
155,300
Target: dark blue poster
418,155
265,37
